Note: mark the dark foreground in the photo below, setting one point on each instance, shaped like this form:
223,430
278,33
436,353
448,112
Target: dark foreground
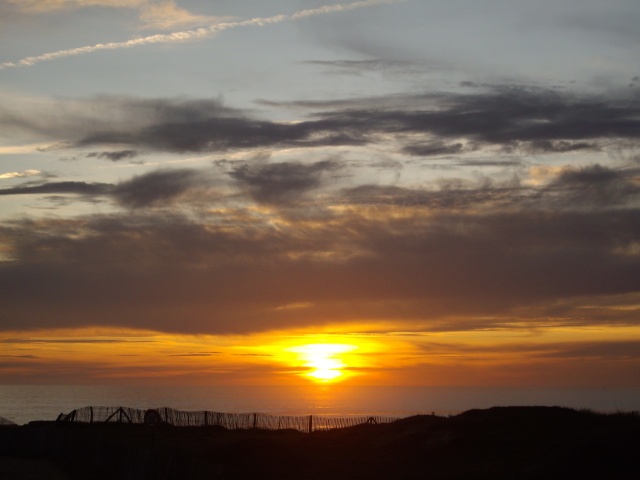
498,443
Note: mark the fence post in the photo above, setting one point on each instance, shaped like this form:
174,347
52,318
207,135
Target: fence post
255,420
206,418
91,412
310,423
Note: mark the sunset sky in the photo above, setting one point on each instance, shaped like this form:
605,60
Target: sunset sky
415,192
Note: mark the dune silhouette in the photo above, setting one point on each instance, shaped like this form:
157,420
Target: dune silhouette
497,443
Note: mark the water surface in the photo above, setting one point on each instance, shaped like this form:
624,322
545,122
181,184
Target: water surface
24,403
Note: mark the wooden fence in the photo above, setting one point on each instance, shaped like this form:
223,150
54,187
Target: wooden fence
230,421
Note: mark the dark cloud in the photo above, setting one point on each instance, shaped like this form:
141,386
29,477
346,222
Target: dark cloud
281,182
605,350
491,163
114,156
225,133
456,254
433,149
560,146
70,341
234,272
446,198
158,188
510,117
221,134
79,188
154,189
596,186
608,350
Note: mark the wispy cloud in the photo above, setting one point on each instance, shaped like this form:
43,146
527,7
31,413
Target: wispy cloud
38,6
523,120
114,156
24,173
82,188
156,188
195,34
153,14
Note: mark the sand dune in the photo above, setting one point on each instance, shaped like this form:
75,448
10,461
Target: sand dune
498,443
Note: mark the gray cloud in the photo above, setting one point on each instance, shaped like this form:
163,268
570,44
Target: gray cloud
281,182
596,186
484,251
593,186
585,349
561,146
605,350
618,25
447,198
535,120
171,273
433,149
68,340
510,117
157,188
80,188
115,156
70,121
153,189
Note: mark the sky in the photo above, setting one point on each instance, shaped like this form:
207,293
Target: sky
414,192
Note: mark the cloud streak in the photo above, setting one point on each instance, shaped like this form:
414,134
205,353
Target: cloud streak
523,120
114,156
81,188
170,273
154,189
528,121
195,34
24,173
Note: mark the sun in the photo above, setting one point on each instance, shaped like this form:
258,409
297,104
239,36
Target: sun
325,361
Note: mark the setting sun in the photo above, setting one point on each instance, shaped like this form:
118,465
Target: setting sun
325,361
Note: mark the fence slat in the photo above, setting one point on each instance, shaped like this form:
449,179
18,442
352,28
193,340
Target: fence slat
230,421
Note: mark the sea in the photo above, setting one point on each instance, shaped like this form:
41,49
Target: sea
25,403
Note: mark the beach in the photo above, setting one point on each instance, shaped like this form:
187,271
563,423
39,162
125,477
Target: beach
496,443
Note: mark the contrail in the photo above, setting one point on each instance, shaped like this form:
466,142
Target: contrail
198,33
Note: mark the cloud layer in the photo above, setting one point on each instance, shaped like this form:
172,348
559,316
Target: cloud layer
228,247
513,119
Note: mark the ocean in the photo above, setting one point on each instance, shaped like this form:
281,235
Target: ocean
25,403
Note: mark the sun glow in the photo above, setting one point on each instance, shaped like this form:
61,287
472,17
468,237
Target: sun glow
325,361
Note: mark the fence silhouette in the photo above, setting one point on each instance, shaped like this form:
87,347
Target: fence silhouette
229,421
